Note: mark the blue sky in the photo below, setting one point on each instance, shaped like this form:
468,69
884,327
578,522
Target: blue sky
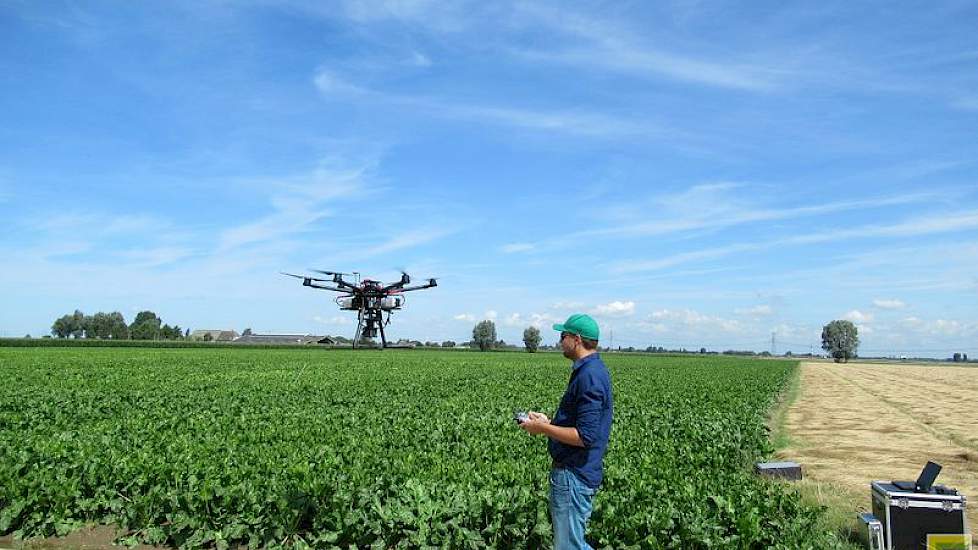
692,174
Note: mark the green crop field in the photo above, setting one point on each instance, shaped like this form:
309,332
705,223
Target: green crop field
225,447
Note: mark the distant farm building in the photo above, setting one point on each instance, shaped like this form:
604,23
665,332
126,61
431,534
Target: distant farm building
285,339
214,335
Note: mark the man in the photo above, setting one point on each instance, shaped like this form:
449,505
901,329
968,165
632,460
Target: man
578,433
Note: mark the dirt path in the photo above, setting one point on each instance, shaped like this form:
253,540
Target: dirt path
854,423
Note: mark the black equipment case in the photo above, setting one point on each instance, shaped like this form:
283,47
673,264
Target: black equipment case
908,516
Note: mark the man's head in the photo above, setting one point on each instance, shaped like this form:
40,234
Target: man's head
578,335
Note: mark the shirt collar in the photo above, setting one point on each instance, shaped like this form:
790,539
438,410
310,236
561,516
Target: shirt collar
584,360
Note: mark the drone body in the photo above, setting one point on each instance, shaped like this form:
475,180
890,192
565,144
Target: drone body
369,298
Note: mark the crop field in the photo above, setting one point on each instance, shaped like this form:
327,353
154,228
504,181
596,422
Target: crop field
294,447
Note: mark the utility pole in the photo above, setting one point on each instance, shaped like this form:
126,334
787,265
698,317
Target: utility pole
774,349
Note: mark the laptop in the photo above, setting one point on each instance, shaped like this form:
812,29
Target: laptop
924,483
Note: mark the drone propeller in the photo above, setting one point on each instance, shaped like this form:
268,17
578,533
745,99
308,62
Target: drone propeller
302,276
331,272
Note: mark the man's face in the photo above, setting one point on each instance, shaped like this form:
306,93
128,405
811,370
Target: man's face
568,342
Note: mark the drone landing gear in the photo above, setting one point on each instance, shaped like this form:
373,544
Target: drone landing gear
370,322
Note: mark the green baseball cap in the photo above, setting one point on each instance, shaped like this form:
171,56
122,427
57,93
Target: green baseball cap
580,324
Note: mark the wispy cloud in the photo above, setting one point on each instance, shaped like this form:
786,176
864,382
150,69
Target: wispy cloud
889,304
296,204
716,209
95,225
404,240
516,247
603,45
965,102
954,222
157,256
569,122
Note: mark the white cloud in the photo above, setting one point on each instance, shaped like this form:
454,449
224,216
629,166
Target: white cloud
762,310
857,316
692,318
491,315
538,320
614,309
466,317
932,332
889,304
332,85
567,306
337,320
419,59
516,247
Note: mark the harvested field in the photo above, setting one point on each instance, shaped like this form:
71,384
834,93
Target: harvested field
854,423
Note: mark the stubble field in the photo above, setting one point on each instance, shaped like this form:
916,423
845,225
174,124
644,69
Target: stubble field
858,422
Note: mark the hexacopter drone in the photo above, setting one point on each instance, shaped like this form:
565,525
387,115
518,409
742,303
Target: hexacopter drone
371,299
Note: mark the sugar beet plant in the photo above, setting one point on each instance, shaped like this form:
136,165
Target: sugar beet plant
266,448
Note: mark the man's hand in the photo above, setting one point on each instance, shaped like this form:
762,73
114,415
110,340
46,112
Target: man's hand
536,424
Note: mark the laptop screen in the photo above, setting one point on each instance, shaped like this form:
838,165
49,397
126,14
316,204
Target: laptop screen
927,477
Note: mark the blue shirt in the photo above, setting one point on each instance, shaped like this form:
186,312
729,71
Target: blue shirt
587,406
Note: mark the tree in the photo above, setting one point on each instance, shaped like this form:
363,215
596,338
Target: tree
62,327
841,339
957,357
531,339
448,344
101,325
146,326
484,335
118,329
77,324
247,332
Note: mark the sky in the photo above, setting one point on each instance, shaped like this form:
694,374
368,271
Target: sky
692,174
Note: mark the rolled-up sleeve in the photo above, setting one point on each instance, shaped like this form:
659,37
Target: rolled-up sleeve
590,407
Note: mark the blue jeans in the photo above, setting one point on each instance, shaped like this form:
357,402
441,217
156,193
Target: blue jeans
570,508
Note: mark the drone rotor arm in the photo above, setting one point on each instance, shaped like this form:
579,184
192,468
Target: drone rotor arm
431,283
324,287
303,277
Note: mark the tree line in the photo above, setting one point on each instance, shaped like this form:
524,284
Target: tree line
112,326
